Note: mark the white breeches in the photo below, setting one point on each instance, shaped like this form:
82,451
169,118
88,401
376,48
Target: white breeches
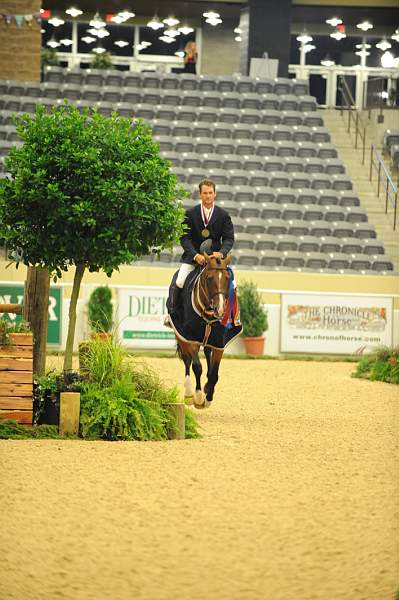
184,270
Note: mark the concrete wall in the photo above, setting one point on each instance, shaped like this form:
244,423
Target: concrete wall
220,52
20,46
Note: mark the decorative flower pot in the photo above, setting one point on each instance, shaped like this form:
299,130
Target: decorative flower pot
254,345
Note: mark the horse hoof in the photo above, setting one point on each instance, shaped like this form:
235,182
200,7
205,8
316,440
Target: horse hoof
199,399
188,400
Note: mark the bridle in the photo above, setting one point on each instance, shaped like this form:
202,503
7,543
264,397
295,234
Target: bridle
203,298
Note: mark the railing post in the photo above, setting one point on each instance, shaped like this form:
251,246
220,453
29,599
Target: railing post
386,195
394,210
379,179
356,129
349,117
364,146
371,162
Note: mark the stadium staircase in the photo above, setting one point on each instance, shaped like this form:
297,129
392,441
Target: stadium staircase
360,176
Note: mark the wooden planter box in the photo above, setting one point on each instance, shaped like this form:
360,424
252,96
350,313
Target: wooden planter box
16,379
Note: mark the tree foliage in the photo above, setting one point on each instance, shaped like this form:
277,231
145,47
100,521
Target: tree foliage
87,189
100,309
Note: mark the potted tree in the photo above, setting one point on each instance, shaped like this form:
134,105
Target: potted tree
100,311
253,317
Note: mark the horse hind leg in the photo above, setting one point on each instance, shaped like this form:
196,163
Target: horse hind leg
213,373
199,398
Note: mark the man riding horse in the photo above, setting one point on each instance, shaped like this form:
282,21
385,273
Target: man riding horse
205,313
206,221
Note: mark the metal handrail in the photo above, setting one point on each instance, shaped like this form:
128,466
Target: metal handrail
353,114
391,190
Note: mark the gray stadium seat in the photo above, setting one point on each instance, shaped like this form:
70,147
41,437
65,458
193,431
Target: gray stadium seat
206,114
308,243
264,86
270,102
52,90
391,138
161,127
91,93
320,134
300,180
202,129
249,209
212,161
329,244
352,246
300,133
314,165
341,182
289,102
265,147
232,207
238,177
276,226
204,146
334,166
364,230
241,131
347,198
306,149
225,84
334,213
382,264
183,144
319,228
188,81
244,147
144,111
232,161
373,246
254,226
313,213
218,176
271,117
224,146
282,86
12,104
191,98
279,179
244,84
321,181
53,74
170,82
271,258
274,163
207,83
229,115
300,87
285,195
132,79
292,118
166,143
328,197
250,116
339,261
252,101
106,108
231,100
222,130
247,258
293,259
292,212
355,214
190,160
94,77
285,148
264,194
258,178
281,133
325,150
306,196
342,230
180,173
112,94
239,225
182,128
130,96
244,193
264,242
287,243
112,78
173,98
211,99
33,89
270,210
307,103
316,260
225,192
151,80
244,241
73,92
312,119
262,132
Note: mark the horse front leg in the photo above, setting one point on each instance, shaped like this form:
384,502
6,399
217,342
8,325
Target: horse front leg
197,368
189,354
188,389
213,373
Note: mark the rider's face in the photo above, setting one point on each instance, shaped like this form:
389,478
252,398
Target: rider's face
207,195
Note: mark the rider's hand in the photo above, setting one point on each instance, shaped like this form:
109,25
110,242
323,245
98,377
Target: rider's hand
199,259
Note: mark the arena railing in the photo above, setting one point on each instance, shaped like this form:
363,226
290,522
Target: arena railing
384,182
348,104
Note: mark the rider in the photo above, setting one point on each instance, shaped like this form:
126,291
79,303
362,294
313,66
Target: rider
206,221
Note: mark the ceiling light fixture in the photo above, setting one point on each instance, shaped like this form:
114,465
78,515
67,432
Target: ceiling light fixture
66,42
74,12
338,35
238,30
304,38
186,29
117,19
87,39
121,43
155,23
53,42
172,32
98,50
171,21
102,33
56,22
211,15
180,53
395,36
167,39
238,38
334,21
126,14
384,44
308,48
327,62
364,25
96,21
213,22
362,53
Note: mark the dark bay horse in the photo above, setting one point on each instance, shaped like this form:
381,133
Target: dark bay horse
201,324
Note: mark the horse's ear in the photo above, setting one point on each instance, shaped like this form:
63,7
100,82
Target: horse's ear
228,259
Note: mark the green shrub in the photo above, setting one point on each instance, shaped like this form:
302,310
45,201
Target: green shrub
253,316
382,365
100,309
101,61
8,327
11,430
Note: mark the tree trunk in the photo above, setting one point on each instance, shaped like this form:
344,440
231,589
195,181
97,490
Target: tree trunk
36,300
77,280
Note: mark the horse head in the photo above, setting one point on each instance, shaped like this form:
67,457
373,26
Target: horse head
215,283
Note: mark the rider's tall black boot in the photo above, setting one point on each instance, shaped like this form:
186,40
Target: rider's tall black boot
173,302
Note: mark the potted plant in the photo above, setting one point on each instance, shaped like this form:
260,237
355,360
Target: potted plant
253,317
100,311
101,61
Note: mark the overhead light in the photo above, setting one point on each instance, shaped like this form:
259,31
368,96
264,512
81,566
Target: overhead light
185,29
144,44
384,44
155,23
96,21
66,42
338,35
87,39
304,38
126,14
363,46
327,62
211,15
74,12
171,21
180,53
362,53
395,36
238,38
167,39
171,32
98,50
53,42
213,22
308,48
384,94
102,33
388,60
117,19
56,22
238,30
334,22
364,25
121,43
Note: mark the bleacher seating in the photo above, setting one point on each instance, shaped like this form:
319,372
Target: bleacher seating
262,141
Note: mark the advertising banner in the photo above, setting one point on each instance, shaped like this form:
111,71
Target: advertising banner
335,324
141,313
14,294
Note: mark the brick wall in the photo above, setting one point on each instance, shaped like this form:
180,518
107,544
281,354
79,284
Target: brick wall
20,46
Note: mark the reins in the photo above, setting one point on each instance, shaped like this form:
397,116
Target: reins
204,307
